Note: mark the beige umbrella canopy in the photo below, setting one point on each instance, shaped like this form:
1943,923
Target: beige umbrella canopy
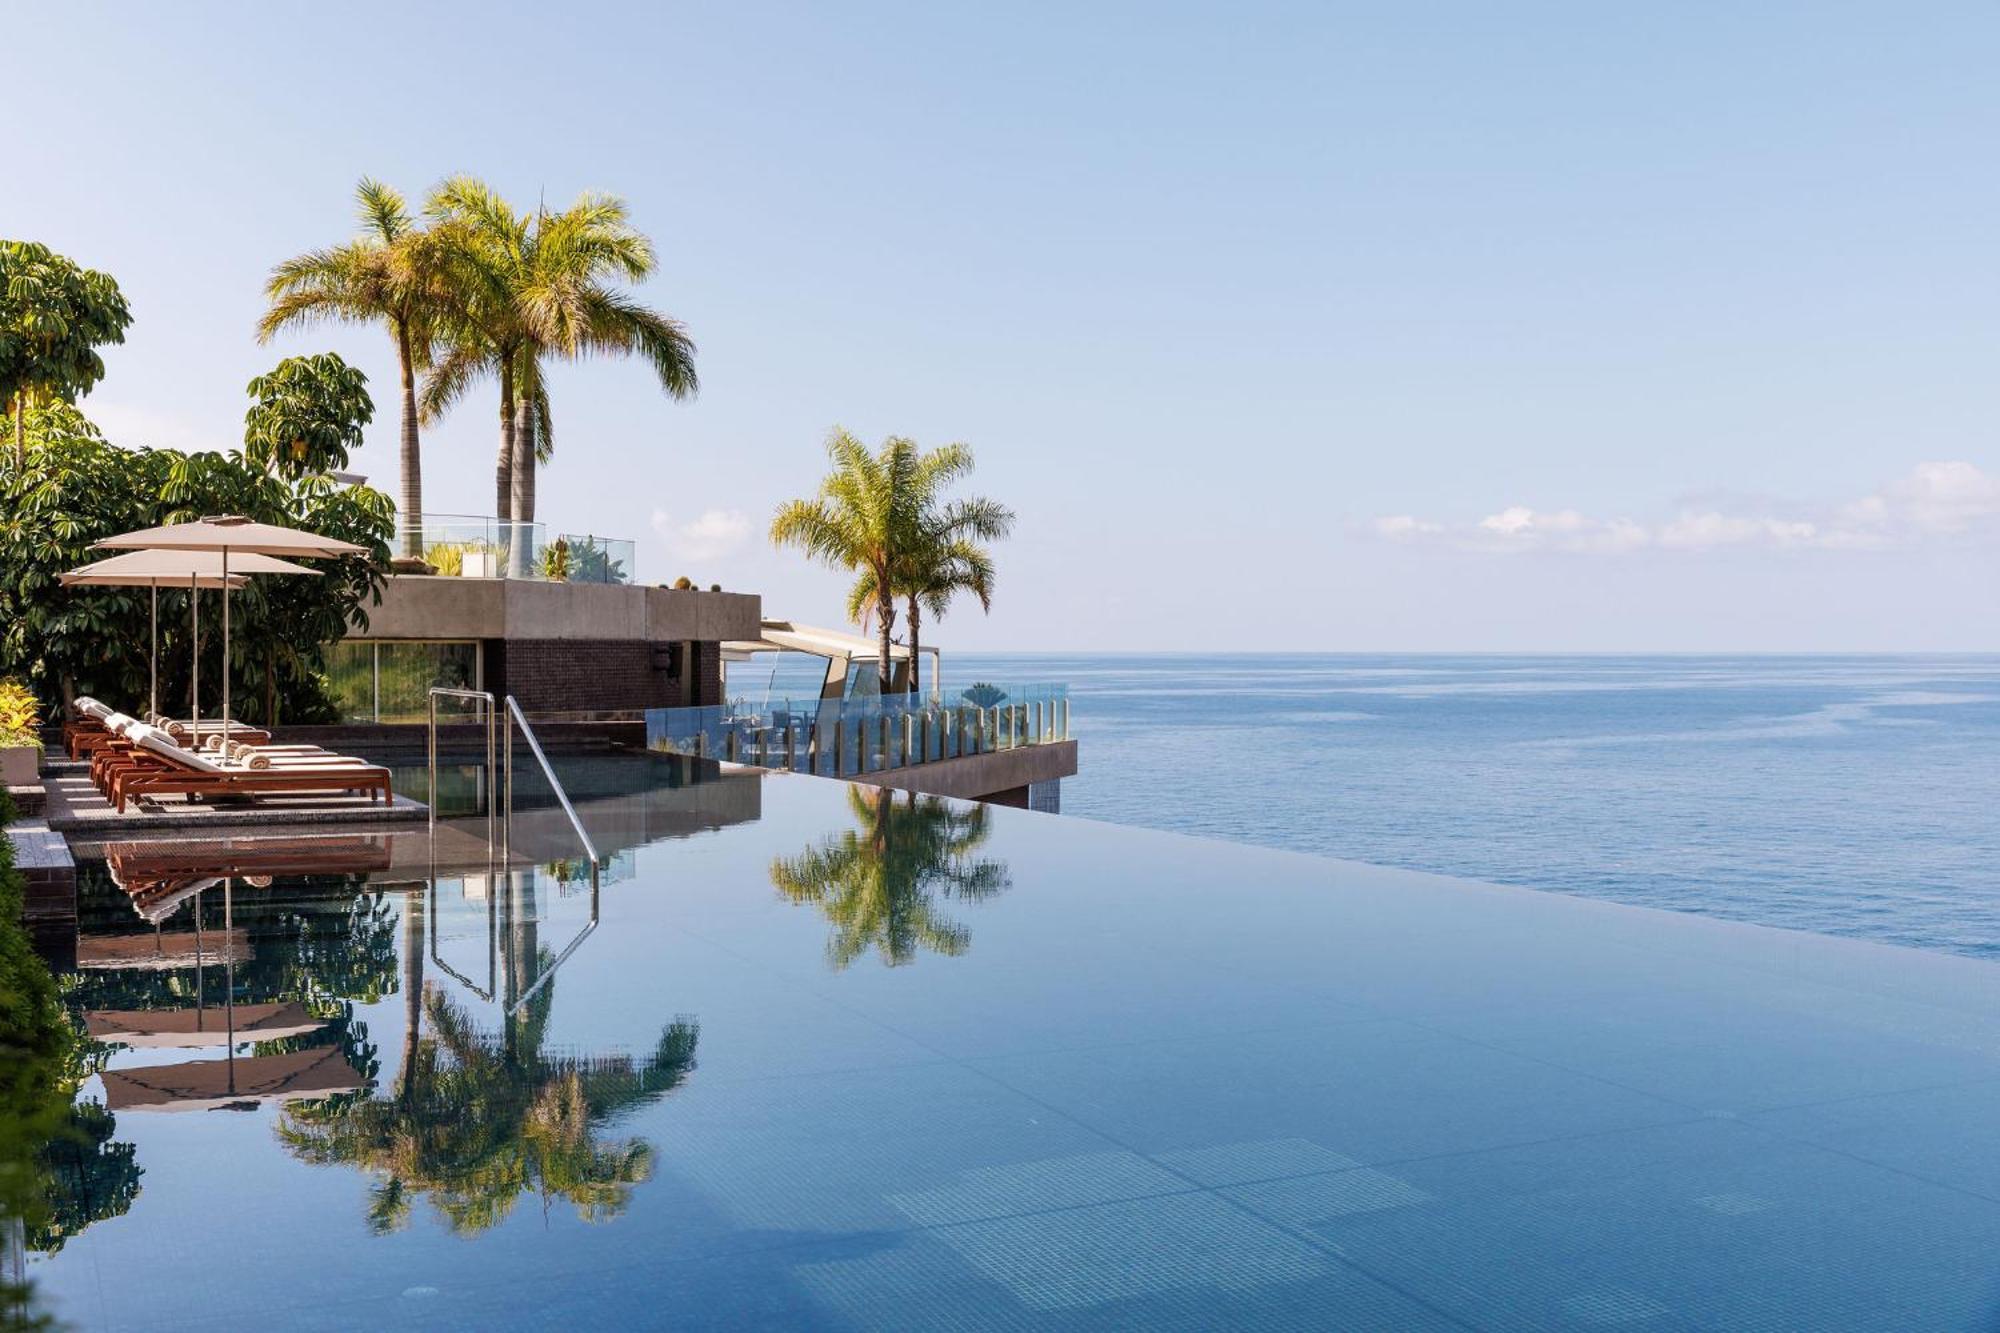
195,569
232,534
229,534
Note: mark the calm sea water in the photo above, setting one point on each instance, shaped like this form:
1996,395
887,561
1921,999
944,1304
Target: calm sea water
1848,795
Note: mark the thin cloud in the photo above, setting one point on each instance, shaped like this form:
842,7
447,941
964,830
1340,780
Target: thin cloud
715,532
1933,502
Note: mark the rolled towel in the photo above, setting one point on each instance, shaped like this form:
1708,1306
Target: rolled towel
250,758
177,730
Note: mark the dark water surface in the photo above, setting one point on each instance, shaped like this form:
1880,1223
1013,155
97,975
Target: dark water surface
1849,795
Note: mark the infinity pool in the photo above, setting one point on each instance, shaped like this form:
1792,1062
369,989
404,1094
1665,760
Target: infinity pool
811,1055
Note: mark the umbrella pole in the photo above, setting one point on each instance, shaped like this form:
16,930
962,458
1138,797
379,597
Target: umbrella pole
194,688
153,690
225,650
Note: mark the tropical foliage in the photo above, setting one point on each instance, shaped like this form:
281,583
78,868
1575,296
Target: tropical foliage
78,489
881,887
390,275
530,286
53,318
883,515
477,1120
306,414
35,1046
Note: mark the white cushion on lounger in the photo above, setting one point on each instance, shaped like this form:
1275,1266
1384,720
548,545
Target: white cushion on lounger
152,738
90,708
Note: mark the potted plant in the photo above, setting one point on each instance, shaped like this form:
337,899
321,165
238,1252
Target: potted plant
20,735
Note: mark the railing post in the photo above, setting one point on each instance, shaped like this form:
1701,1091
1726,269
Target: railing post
432,751
839,746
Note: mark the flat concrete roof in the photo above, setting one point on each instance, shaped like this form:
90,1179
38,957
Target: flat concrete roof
416,606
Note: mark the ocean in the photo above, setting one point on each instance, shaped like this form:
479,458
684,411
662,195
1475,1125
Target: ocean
1845,795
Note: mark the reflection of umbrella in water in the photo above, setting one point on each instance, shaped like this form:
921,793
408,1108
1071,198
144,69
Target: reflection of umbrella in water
195,569
201,1026
232,534
231,1083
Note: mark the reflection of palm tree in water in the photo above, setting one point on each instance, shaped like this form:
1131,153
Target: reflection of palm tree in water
878,886
477,1119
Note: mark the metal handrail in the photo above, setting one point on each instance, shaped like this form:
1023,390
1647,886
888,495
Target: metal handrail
491,712
514,715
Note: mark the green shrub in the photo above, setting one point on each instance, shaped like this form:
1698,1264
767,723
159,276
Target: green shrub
20,716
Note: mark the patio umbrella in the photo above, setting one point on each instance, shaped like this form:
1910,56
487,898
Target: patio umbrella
196,569
232,534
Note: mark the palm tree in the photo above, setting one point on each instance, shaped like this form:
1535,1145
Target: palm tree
535,286
878,887
943,556
390,275
865,519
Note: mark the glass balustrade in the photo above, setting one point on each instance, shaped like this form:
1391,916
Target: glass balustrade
866,734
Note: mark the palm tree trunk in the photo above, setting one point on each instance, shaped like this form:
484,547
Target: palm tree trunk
524,458
413,984
503,473
885,614
910,609
412,459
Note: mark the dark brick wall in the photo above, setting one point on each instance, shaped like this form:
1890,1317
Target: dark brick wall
576,674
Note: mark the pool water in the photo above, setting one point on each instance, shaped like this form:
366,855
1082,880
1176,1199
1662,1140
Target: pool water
811,1055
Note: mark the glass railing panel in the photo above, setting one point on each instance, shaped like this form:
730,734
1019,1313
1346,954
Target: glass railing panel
864,734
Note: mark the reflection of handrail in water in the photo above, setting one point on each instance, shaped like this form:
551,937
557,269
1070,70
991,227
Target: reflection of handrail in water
514,715
492,966
568,949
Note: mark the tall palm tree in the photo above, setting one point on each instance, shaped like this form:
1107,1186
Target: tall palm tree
391,274
541,285
878,887
942,556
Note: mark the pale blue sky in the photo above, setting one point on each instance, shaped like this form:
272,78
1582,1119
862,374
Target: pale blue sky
1398,326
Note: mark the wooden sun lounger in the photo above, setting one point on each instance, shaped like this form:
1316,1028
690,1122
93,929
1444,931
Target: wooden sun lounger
171,769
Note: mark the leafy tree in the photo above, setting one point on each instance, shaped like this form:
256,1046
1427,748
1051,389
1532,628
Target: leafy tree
305,415
870,516
53,318
83,489
537,285
879,886
391,275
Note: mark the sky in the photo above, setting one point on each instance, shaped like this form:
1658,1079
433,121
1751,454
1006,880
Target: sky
1385,327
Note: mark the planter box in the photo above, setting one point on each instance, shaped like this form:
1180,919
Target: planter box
479,565
19,765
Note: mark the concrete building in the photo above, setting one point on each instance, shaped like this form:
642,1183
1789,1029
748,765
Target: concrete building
556,647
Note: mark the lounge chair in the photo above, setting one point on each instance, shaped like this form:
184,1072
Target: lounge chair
160,765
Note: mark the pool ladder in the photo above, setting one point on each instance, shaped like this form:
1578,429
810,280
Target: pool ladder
500,803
